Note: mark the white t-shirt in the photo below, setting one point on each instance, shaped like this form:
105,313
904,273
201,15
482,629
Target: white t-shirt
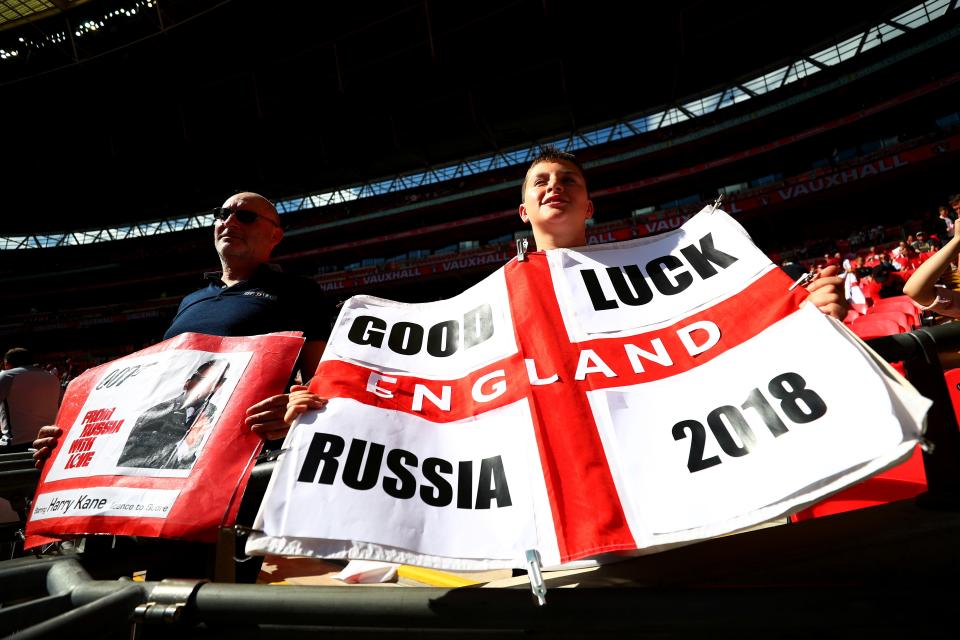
29,397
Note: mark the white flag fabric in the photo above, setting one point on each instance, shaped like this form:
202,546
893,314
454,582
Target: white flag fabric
617,397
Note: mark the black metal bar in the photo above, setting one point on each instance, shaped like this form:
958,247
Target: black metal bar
109,613
599,611
845,551
11,465
18,455
19,480
27,614
25,576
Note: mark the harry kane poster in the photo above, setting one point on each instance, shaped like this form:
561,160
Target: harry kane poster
154,442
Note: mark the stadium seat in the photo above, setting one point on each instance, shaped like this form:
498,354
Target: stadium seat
899,303
953,380
871,290
904,274
868,327
904,321
902,482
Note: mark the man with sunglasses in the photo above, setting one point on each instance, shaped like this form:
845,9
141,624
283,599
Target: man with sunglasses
248,297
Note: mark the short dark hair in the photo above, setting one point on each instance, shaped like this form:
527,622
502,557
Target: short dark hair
18,357
206,364
550,153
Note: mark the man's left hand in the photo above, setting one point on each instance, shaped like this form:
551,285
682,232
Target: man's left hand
266,418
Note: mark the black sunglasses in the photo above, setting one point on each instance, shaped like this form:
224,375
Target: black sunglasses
246,216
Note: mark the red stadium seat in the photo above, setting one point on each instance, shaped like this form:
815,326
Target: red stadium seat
904,321
871,289
953,380
904,274
869,327
900,303
899,483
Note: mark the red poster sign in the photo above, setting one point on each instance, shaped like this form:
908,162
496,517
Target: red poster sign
154,443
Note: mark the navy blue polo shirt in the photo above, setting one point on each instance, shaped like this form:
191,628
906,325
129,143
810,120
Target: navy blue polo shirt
269,301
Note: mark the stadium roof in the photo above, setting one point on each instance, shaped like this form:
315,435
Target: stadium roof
16,12
119,112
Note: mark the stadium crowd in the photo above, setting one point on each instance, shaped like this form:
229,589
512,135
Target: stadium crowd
878,276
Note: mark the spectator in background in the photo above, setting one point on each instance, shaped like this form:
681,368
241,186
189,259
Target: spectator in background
899,250
886,261
860,267
921,244
29,398
947,220
888,284
906,258
857,238
851,283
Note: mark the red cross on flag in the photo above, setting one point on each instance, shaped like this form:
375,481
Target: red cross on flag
582,401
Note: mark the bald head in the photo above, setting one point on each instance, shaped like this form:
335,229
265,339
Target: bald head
243,246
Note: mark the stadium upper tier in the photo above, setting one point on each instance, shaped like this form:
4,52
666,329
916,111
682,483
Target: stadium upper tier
870,51
869,173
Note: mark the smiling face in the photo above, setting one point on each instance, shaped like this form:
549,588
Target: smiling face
247,242
556,204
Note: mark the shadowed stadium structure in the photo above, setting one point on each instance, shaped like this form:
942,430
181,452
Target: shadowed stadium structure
393,139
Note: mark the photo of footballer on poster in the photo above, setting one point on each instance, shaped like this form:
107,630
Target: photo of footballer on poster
154,443
150,415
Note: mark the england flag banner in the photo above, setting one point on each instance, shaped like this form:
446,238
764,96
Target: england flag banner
619,397
154,443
